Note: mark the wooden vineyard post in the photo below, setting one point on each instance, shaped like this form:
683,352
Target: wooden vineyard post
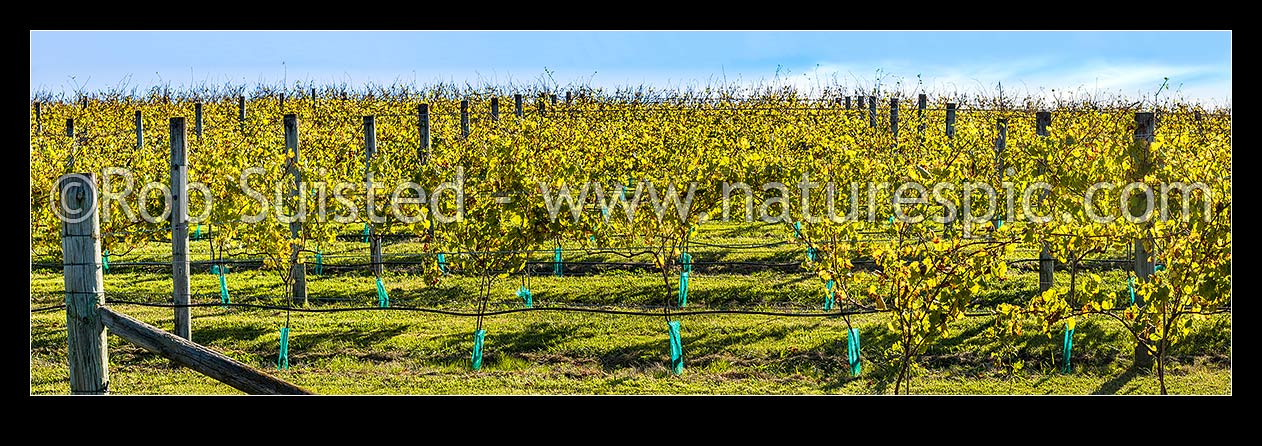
1001,145
922,102
847,102
241,112
197,119
422,112
517,106
298,271
554,101
894,117
464,118
568,96
179,229
70,134
39,121
1141,162
950,133
495,109
85,290
860,98
370,149
872,111
140,131
1047,264
423,121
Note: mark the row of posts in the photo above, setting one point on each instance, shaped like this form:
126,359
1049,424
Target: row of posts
1144,136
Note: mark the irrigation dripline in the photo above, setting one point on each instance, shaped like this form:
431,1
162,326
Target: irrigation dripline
530,309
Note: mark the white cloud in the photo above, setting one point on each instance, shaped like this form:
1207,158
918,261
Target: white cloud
1031,77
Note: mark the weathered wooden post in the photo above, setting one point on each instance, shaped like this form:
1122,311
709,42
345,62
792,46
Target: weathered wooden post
922,102
1001,145
464,118
1141,162
495,109
1047,264
39,121
517,106
847,102
370,149
88,352
73,143
950,133
422,112
894,117
179,229
241,112
140,131
197,119
298,271
567,98
872,111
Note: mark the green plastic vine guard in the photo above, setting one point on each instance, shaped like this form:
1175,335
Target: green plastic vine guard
197,234
477,348
828,295
626,191
105,260
683,289
223,291
556,261
319,266
282,362
383,299
1069,346
810,253
676,349
366,229
685,259
526,296
442,263
852,351
797,229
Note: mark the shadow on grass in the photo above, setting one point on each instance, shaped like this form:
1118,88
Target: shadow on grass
1113,385
210,334
307,346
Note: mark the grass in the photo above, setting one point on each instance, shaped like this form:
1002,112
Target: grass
399,352
396,352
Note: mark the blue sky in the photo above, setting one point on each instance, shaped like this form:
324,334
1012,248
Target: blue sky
1128,63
